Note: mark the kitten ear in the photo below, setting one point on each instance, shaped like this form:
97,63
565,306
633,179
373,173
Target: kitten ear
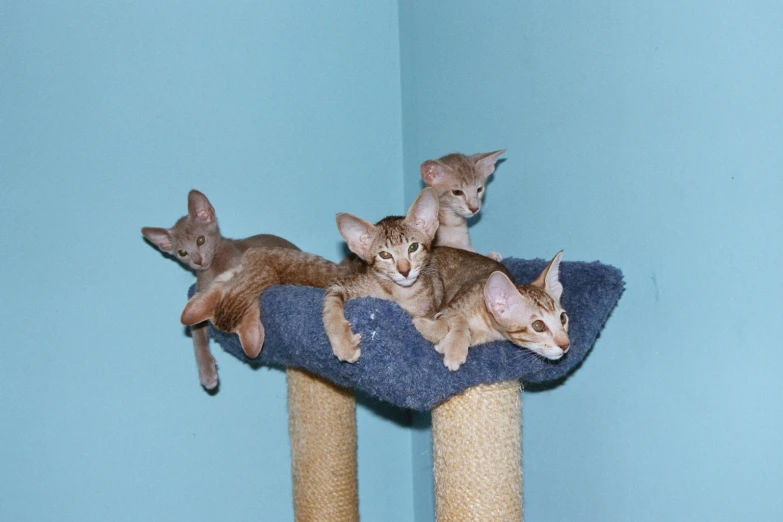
423,213
201,306
199,207
251,332
433,172
500,294
160,237
357,232
549,279
485,162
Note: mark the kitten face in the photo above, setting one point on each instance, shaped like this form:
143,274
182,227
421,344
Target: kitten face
395,248
531,315
194,239
460,180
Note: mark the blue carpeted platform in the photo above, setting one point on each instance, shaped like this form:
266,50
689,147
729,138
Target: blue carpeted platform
398,366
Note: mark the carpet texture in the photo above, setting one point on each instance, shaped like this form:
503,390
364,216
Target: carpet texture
398,366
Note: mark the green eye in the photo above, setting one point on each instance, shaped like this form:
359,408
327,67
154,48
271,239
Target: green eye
413,247
182,253
385,255
539,325
563,318
200,240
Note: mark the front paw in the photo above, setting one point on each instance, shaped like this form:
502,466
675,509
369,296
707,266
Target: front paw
454,355
495,255
208,375
346,345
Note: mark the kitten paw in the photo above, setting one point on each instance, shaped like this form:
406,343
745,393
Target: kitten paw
208,375
347,347
453,356
495,255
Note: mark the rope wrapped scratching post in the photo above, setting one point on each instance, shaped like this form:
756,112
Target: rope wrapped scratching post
477,455
322,429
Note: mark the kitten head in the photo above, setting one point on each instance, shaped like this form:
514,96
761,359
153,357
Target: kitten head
230,308
460,180
395,248
194,238
531,316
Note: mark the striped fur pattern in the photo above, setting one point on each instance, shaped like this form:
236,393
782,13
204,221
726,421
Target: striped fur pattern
493,308
231,302
196,242
460,182
396,253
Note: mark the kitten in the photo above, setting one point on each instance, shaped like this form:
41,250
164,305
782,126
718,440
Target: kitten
231,301
395,253
460,182
493,309
196,242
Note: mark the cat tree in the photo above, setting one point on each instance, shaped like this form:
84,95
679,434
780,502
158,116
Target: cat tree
476,411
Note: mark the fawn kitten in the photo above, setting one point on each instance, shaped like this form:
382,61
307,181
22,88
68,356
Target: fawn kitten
196,242
494,308
231,301
396,253
460,182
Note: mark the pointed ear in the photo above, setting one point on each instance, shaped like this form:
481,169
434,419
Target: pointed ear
549,279
433,172
201,306
357,232
485,162
423,214
160,237
500,294
199,207
251,332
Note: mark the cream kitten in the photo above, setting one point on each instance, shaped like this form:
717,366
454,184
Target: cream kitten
196,242
494,309
396,253
460,182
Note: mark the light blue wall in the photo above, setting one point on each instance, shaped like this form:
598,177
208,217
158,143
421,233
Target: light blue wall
283,113
648,136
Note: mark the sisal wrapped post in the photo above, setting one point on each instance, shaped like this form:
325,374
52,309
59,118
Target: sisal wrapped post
322,428
477,455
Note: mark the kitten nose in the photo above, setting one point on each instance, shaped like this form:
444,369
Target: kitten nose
404,272
197,260
565,346
473,209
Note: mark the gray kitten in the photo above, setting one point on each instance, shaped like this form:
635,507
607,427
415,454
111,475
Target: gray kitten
196,242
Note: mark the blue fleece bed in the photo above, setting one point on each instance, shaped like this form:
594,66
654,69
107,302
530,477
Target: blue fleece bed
398,366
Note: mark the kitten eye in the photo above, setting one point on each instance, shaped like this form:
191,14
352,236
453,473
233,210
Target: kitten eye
200,240
457,192
478,190
182,253
563,318
413,247
384,255
539,325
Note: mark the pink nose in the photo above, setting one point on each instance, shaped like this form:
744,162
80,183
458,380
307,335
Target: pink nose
565,346
473,209
405,272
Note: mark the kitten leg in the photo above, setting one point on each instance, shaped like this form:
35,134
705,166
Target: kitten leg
432,329
207,368
345,343
495,255
454,346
